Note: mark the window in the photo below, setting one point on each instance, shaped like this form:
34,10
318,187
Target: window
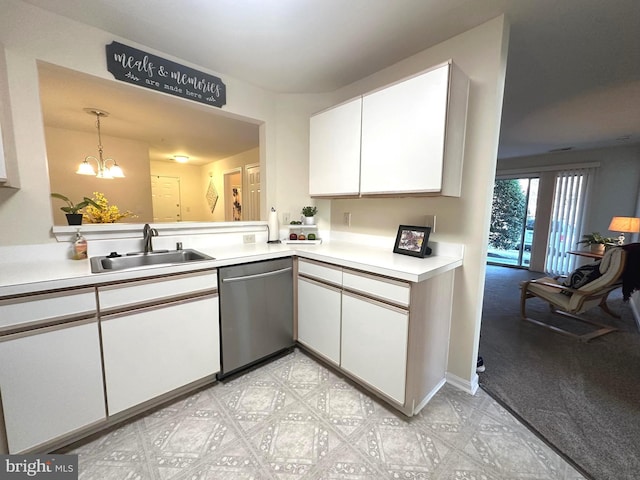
567,218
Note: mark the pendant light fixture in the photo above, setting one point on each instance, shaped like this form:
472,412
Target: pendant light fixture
104,170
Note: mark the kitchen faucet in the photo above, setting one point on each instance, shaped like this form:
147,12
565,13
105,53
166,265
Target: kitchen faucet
148,233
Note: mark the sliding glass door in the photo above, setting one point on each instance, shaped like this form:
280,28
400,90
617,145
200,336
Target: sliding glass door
513,215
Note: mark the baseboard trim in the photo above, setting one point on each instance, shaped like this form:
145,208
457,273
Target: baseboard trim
470,387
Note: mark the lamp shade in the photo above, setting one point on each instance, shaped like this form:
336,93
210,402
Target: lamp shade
625,224
85,168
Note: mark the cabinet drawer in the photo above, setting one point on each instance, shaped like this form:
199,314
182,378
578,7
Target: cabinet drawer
144,291
34,308
377,287
328,273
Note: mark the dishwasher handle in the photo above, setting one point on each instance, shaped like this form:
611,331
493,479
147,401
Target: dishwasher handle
257,275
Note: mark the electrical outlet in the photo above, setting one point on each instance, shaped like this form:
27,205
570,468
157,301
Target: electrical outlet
347,218
250,238
430,221
286,218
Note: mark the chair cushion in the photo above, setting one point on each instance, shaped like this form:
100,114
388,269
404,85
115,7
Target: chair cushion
550,294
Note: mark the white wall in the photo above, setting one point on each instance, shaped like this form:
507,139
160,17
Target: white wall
29,35
216,171
65,151
616,190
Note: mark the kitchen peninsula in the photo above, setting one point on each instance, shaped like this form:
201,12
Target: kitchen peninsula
49,314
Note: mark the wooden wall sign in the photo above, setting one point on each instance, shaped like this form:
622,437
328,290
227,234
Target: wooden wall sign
134,66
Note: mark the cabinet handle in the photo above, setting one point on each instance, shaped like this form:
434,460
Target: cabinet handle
321,283
43,327
131,309
380,303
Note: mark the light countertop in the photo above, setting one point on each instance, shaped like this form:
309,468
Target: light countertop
27,274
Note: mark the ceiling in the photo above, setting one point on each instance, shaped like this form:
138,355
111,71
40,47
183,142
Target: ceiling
573,75
168,125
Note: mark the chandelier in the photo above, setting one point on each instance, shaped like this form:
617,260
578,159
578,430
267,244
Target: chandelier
104,169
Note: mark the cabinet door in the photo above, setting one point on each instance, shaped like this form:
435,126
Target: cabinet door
374,344
334,150
152,351
319,318
50,383
403,135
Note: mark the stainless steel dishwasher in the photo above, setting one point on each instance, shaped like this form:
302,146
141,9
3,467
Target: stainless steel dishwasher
256,312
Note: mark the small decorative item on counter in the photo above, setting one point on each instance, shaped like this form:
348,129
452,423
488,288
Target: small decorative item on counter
79,247
103,212
293,236
302,237
311,236
295,222
309,213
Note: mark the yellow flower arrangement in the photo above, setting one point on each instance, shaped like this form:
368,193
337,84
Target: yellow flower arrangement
106,213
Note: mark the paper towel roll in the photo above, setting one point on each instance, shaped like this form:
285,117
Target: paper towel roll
274,227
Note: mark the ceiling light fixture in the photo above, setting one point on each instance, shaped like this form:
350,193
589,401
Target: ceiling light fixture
181,158
104,171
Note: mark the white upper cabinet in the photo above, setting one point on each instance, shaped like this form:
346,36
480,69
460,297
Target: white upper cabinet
403,135
334,150
411,139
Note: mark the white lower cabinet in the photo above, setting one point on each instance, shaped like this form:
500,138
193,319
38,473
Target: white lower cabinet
319,318
374,344
388,334
50,383
152,351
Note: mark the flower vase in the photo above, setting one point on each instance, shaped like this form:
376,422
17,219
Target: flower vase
597,248
309,220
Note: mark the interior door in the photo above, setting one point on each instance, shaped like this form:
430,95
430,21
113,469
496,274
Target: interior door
252,193
165,196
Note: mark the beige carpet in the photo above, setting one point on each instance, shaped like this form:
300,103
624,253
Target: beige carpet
583,398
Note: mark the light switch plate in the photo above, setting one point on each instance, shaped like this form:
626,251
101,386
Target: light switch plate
430,221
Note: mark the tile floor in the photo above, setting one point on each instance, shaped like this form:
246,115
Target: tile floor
295,419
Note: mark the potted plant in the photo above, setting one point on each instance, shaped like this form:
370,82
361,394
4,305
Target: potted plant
72,210
309,213
100,211
597,242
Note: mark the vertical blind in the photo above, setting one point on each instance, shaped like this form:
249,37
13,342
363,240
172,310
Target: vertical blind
568,213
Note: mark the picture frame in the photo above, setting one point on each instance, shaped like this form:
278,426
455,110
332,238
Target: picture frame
412,240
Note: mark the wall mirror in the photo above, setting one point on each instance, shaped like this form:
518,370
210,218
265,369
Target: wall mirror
144,132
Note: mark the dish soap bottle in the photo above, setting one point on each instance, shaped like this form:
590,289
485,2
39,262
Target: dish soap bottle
79,247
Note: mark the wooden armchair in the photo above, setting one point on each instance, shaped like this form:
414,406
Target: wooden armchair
571,302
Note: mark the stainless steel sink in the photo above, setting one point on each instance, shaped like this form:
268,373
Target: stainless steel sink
177,257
